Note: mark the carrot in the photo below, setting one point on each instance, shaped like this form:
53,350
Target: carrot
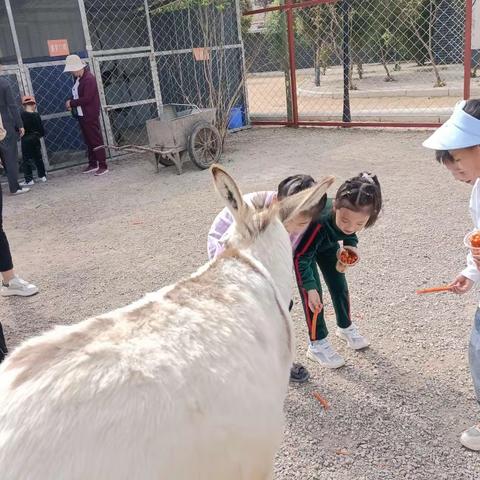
321,400
314,323
443,288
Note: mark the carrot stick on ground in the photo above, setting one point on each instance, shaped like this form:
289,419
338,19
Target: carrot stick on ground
443,288
321,400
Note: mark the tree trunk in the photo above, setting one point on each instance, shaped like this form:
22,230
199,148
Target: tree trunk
317,64
432,17
286,64
351,85
360,70
383,58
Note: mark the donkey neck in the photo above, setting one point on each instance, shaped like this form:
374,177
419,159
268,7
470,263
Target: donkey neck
273,250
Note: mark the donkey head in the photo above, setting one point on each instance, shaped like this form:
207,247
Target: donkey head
261,231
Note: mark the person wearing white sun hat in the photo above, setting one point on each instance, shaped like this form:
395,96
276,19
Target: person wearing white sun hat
85,106
457,145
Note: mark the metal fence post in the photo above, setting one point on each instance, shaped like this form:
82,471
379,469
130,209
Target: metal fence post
467,56
16,43
103,101
291,56
106,126
347,115
239,12
153,62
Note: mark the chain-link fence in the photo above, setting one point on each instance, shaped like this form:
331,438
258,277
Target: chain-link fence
51,87
387,61
143,53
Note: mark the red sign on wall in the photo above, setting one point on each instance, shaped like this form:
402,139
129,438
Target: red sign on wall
201,54
58,48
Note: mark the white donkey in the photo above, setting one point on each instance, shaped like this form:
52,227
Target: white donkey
187,383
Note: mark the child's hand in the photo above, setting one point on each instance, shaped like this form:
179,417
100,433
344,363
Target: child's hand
461,285
314,301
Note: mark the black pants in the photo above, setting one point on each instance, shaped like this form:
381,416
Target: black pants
3,345
5,255
5,265
338,287
9,154
32,155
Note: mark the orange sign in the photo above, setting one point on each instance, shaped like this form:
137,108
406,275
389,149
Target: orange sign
201,54
58,48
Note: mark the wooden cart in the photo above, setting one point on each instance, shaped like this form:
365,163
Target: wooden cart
181,129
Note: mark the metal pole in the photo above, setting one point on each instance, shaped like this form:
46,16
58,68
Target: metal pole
106,126
347,116
291,57
86,31
16,45
244,73
467,55
153,62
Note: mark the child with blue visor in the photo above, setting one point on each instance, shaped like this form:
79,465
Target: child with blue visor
457,146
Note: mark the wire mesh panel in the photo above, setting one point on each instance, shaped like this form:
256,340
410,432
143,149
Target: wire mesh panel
128,123
186,25
13,78
405,62
127,80
267,66
129,96
398,60
52,88
117,24
187,80
199,55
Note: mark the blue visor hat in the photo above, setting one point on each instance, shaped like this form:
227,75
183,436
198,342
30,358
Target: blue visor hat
461,130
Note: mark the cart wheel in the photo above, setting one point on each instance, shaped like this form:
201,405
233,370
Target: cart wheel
204,145
165,161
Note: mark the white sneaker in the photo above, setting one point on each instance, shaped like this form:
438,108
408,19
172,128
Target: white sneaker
42,179
27,184
322,352
471,438
21,190
19,287
353,338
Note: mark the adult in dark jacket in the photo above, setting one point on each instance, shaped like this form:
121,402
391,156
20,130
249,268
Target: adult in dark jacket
12,123
85,106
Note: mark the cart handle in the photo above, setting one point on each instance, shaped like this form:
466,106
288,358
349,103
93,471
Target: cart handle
136,149
183,105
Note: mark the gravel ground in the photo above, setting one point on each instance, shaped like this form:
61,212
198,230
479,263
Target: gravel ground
397,409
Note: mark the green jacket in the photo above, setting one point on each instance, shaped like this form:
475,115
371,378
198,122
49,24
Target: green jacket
321,238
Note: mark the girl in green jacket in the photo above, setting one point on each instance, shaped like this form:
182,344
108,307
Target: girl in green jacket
356,206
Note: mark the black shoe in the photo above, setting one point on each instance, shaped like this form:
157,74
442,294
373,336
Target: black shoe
299,374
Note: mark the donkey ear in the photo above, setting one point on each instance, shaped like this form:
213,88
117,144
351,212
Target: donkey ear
228,190
305,200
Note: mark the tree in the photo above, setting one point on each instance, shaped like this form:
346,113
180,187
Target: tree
276,31
212,84
420,16
246,20
312,25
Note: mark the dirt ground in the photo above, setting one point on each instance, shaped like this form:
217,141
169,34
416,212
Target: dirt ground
397,409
